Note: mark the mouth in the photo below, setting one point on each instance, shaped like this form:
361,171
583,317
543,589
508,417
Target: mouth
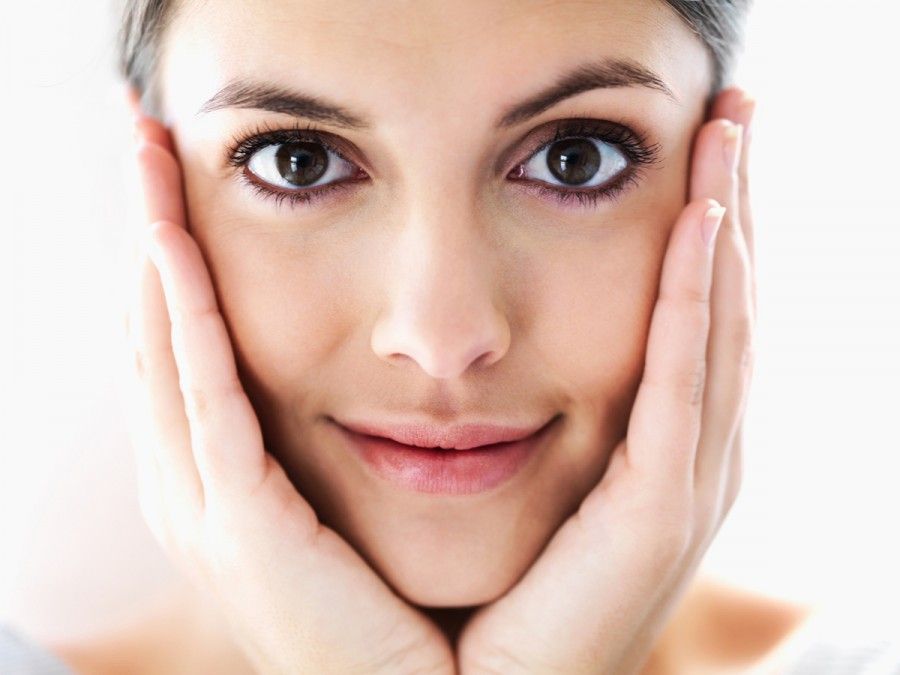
442,470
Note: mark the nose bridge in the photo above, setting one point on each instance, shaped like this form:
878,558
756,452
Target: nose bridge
442,252
440,309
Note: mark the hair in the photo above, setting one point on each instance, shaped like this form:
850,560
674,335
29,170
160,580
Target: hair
717,23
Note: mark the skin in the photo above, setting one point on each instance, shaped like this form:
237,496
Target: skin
430,279
475,298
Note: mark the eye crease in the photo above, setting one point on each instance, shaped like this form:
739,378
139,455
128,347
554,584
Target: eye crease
583,159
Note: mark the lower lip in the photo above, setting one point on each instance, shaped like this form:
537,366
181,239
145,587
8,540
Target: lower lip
445,471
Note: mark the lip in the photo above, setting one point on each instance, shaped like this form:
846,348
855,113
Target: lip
438,470
458,437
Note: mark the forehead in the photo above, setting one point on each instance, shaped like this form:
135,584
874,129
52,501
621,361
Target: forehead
394,58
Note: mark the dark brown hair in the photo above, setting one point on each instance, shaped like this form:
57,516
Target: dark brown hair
717,23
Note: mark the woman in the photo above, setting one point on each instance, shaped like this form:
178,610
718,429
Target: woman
442,337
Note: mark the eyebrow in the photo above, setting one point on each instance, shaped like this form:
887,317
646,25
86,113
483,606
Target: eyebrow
604,74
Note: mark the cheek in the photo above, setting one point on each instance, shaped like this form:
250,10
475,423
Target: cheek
283,306
283,286
595,308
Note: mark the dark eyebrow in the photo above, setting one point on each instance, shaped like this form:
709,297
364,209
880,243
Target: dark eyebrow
262,96
603,74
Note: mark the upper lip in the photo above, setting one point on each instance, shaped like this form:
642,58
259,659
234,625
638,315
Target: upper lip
456,437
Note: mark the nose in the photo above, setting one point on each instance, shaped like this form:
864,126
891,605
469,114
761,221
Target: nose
441,312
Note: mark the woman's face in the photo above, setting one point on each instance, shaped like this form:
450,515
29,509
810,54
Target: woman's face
441,285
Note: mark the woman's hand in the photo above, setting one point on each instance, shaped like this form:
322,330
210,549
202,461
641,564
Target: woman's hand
298,597
597,598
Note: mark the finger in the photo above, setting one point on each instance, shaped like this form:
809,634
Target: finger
225,433
146,126
714,175
735,470
665,420
738,106
153,131
166,434
149,483
160,178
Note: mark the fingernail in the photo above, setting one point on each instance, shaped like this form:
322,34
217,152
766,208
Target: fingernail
710,225
731,145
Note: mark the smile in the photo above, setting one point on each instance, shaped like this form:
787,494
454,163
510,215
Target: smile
439,470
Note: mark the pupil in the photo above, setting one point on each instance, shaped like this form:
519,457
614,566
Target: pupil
578,160
301,162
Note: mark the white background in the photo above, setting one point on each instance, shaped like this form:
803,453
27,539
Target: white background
817,516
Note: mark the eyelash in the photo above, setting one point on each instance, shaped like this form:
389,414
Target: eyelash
635,146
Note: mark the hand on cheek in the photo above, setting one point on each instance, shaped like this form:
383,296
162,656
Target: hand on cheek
599,595
297,596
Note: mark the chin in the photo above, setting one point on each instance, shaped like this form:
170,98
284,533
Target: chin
450,579
454,561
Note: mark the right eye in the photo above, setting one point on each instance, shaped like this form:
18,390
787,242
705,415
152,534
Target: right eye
298,164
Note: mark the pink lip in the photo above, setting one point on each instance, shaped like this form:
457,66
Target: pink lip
460,437
450,471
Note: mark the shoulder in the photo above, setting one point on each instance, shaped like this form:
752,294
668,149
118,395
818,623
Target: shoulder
740,627
720,627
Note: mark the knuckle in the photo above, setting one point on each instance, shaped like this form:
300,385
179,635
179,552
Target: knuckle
691,382
201,402
197,402
688,384
182,317
689,295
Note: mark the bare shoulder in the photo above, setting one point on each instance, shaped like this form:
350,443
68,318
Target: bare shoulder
720,627
100,656
742,626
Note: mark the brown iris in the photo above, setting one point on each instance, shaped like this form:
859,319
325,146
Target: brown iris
573,160
301,162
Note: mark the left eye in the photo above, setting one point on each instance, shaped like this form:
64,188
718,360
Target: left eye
577,162
298,164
